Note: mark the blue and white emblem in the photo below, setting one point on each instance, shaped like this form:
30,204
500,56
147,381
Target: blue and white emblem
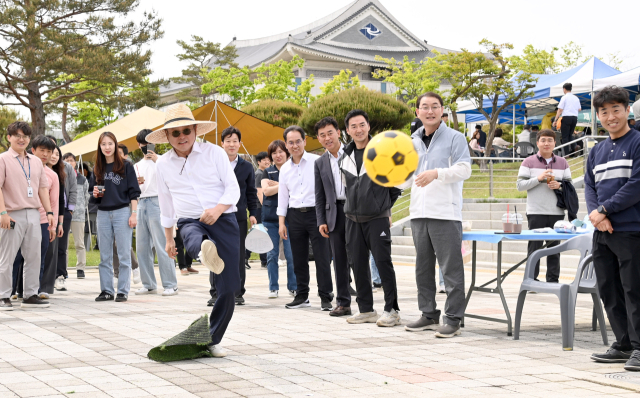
370,31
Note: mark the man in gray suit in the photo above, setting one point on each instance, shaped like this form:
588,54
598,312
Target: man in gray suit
330,198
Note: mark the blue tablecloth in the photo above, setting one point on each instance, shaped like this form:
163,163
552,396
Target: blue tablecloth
492,237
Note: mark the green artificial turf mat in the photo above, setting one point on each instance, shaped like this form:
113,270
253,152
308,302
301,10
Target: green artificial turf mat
190,344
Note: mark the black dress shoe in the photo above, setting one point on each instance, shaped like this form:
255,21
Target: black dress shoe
240,300
121,297
340,311
105,296
212,301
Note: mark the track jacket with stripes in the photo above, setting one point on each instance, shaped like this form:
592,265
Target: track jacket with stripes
612,179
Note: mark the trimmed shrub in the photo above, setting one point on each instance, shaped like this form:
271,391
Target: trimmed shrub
385,112
279,113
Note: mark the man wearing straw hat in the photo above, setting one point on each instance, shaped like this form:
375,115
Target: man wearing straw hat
197,187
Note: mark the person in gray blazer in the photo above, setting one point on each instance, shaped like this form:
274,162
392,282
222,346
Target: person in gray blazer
330,198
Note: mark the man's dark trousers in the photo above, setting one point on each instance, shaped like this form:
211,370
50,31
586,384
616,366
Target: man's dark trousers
224,233
615,259
338,241
566,128
242,227
553,261
63,245
302,227
374,236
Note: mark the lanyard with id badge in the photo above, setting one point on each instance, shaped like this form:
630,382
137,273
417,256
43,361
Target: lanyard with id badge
29,189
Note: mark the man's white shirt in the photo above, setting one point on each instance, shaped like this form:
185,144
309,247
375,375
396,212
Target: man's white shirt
337,178
297,184
570,105
147,169
187,187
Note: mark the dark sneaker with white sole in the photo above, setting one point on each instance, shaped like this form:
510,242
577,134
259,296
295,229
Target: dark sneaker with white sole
5,305
105,296
421,324
612,356
325,305
633,363
80,274
121,297
34,302
447,331
298,302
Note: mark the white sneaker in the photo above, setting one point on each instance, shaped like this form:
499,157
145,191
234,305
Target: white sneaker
273,294
282,263
43,296
59,284
170,292
144,290
388,319
366,317
209,257
136,276
217,351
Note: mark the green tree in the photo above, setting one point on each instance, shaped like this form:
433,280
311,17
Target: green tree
277,80
303,92
201,55
536,61
463,70
571,55
345,80
88,40
385,112
7,116
410,78
235,83
279,113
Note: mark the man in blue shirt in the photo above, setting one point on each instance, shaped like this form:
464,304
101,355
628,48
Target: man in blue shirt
612,191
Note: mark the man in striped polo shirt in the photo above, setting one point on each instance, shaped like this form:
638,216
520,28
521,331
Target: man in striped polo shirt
539,175
612,191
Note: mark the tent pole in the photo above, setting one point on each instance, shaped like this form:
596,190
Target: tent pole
216,108
594,122
513,133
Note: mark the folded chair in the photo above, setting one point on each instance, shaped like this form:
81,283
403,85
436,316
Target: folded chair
584,282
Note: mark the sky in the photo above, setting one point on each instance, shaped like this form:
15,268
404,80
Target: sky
454,25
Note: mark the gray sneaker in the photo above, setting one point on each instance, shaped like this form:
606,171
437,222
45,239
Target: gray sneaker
423,323
389,319
364,317
447,331
633,363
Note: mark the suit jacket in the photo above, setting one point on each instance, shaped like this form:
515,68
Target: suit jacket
326,206
248,192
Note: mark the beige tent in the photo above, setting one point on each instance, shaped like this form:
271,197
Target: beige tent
125,130
256,134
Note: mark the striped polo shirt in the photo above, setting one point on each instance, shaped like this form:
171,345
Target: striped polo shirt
541,199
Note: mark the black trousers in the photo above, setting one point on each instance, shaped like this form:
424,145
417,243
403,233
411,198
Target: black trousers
553,261
243,228
224,233
615,259
263,256
48,279
63,245
338,240
184,259
568,125
372,236
302,228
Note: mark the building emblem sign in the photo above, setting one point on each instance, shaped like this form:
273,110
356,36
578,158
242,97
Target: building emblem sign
370,31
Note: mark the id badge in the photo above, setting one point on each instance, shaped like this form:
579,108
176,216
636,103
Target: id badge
30,192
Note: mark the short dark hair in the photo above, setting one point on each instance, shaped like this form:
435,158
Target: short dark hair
13,128
141,137
68,155
498,132
526,127
324,122
478,127
353,113
274,147
445,114
567,86
611,95
430,94
535,128
229,131
293,128
124,148
261,155
52,138
42,141
545,133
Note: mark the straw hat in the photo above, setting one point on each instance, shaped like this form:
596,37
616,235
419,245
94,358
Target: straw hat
178,115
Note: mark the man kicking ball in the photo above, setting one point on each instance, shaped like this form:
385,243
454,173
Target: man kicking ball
197,187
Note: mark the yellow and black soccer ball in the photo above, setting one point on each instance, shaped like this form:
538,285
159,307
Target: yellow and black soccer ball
390,158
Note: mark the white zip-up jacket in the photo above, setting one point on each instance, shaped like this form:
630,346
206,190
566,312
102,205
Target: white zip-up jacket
449,154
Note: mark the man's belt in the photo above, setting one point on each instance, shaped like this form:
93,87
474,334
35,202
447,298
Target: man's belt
341,201
303,209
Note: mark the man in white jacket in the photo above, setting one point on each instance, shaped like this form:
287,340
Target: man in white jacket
436,216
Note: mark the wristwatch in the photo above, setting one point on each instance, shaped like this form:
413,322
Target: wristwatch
602,210
49,212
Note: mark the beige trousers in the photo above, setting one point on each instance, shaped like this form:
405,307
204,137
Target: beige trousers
77,229
27,235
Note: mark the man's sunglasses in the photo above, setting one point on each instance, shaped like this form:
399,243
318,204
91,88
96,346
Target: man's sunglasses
176,133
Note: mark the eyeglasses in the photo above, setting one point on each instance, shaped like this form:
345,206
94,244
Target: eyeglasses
22,137
176,133
294,143
426,108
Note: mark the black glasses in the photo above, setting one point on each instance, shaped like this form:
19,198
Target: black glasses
176,133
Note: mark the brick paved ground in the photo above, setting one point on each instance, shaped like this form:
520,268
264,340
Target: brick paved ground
80,348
